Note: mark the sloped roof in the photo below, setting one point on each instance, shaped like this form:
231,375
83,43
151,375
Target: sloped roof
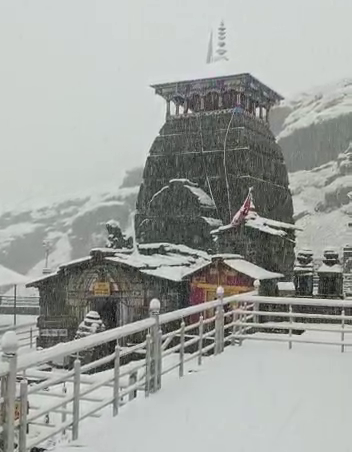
170,262
251,270
266,225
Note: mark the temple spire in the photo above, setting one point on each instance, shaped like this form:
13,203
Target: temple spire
221,50
210,56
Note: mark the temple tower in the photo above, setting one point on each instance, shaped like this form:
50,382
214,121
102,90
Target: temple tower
216,136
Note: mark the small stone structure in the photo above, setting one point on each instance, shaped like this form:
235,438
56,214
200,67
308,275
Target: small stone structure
304,274
330,276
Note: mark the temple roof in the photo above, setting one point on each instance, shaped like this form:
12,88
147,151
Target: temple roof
216,75
167,261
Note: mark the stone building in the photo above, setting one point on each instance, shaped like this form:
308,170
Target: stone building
217,136
119,284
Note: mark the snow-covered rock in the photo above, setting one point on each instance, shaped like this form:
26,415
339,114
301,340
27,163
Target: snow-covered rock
314,127
323,205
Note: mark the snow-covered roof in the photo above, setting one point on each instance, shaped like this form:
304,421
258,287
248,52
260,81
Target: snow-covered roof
337,268
76,261
286,286
263,227
213,222
169,261
43,278
252,270
204,199
174,273
262,224
220,69
11,278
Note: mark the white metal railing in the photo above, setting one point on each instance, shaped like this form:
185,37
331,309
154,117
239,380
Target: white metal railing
110,368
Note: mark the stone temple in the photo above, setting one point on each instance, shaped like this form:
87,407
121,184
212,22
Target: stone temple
215,144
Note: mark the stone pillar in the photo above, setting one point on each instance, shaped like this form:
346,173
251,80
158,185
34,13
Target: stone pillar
177,109
254,108
267,113
185,107
202,103
261,112
248,104
220,101
238,99
168,109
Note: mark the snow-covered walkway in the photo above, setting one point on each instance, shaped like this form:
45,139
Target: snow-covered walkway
259,397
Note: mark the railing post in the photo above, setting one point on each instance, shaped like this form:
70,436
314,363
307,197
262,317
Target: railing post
220,294
132,380
76,397
116,401
9,345
217,329
200,343
343,330
234,327
23,416
64,407
256,285
31,337
290,330
147,364
155,380
182,349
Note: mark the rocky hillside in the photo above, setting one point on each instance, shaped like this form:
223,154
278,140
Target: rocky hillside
323,204
313,128
71,226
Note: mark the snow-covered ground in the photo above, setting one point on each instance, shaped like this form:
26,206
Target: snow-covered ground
260,396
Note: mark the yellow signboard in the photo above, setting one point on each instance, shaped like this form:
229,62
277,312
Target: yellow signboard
101,289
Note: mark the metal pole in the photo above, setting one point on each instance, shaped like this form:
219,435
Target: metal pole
147,365
154,309
343,330
31,338
15,304
63,416
76,396
217,328
116,400
200,343
132,380
234,327
23,416
182,349
290,330
220,294
160,357
9,345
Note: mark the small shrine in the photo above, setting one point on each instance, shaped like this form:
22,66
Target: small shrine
304,274
330,276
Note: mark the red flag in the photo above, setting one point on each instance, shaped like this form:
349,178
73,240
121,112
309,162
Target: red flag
240,216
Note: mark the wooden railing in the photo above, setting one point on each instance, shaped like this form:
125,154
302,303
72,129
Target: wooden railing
112,367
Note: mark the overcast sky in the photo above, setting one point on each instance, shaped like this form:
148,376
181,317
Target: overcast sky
75,106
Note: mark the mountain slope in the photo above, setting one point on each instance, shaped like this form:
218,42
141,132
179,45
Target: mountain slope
322,204
72,226
314,127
